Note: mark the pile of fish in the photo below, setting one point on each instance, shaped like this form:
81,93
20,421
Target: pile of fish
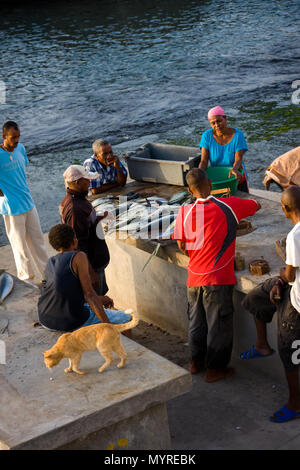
151,218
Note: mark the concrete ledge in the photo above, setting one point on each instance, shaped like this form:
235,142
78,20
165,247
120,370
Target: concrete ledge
50,409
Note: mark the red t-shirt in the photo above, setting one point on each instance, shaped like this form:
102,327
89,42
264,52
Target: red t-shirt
208,228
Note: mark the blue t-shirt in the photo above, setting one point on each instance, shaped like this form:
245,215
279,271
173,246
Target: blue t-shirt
17,198
223,155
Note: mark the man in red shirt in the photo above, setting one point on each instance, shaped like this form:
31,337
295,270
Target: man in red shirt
206,232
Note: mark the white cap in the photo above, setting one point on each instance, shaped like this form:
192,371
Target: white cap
75,172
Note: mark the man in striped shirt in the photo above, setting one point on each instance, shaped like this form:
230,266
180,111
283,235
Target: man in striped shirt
112,172
206,232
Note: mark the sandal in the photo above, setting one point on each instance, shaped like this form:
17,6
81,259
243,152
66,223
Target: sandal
283,415
253,354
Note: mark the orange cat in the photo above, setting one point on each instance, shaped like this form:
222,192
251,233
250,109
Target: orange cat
104,336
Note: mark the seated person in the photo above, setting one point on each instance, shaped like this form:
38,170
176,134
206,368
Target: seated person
224,146
76,211
112,172
284,170
68,300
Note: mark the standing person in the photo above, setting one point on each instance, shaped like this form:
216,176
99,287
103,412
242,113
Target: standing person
224,146
206,232
17,207
282,295
112,172
76,211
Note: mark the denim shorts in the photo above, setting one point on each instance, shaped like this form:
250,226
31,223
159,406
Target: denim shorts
114,316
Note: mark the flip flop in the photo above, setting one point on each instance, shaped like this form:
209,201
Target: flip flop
286,415
253,354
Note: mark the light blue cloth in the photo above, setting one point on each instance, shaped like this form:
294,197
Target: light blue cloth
223,155
114,316
17,198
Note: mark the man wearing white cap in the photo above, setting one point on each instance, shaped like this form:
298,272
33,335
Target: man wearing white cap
76,211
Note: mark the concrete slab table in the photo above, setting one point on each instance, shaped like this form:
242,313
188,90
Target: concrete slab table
48,409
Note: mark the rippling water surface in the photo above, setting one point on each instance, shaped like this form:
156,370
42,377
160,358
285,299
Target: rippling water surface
134,71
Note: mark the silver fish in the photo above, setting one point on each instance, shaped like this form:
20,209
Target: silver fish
180,197
6,286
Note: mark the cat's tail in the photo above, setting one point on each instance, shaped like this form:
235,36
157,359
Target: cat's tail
131,324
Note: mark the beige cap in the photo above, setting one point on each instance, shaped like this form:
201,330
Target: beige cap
75,172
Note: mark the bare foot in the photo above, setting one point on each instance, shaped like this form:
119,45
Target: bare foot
265,350
214,375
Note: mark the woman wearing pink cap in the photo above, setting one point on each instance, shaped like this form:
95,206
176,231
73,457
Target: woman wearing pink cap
224,146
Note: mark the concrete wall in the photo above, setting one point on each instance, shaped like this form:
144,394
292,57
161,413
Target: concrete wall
158,293
159,296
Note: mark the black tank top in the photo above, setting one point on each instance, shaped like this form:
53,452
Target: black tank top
61,304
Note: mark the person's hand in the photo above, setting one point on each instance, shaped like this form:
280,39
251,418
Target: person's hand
107,301
277,290
113,160
101,217
235,173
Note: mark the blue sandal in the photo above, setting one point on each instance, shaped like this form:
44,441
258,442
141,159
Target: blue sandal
253,354
283,415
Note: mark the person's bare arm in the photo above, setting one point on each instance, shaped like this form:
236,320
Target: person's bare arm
1,193
237,165
288,273
80,266
204,159
104,187
121,177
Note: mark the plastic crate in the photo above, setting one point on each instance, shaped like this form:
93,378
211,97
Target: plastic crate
162,163
219,178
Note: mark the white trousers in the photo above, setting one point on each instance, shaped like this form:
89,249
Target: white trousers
27,241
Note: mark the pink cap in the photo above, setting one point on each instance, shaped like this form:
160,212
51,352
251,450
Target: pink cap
75,172
216,111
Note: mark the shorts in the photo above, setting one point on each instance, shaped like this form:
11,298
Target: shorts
259,304
114,316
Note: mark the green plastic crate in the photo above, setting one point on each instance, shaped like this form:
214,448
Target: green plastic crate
219,178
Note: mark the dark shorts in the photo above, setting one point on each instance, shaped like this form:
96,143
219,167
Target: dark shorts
258,303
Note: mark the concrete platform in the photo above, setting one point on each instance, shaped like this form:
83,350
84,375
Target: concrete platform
233,414
42,409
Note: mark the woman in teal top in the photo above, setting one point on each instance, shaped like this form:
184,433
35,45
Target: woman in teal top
224,146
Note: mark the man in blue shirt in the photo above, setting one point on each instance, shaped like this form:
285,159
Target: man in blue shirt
17,207
112,172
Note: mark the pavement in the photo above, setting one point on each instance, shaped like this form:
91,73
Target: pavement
231,414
